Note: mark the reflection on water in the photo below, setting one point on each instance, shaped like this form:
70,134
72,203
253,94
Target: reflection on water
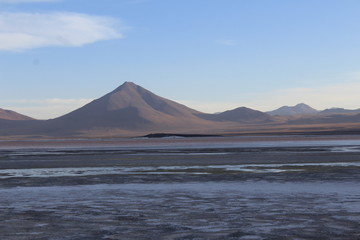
208,169
346,149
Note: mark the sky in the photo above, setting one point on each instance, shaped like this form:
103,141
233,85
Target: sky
211,55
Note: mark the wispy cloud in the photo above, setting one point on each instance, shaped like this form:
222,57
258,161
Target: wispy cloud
44,108
21,31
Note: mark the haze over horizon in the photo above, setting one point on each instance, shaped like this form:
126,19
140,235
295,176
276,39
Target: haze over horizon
57,55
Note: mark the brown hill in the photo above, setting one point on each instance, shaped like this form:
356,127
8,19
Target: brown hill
240,115
11,115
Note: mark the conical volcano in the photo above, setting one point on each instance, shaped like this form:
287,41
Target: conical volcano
130,95
131,108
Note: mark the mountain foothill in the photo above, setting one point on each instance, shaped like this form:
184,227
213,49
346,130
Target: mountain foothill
131,110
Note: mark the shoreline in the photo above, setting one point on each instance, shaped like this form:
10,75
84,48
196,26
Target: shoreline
148,142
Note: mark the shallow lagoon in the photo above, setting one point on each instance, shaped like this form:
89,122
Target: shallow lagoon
193,189
210,210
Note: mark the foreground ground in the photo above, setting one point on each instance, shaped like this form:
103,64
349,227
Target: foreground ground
213,188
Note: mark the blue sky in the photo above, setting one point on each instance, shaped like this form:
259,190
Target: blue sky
212,55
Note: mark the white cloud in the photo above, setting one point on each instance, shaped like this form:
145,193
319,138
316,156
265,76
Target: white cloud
21,31
45,108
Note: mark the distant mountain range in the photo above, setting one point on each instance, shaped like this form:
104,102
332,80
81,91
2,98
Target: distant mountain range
294,110
241,115
303,109
131,110
339,111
